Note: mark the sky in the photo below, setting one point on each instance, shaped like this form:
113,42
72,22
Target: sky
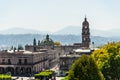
53,15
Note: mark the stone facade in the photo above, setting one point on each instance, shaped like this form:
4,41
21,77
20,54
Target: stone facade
66,61
23,62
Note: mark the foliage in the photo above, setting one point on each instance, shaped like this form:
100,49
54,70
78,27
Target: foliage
85,68
108,60
5,77
67,73
57,43
102,58
48,74
14,49
38,42
20,47
66,78
11,48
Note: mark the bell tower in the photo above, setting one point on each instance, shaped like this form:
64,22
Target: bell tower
85,34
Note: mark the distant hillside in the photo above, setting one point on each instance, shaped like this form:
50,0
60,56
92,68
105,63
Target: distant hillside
23,39
76,30
66,36
22,31
70,30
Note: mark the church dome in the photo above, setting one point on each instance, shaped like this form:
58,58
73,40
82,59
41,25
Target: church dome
47,41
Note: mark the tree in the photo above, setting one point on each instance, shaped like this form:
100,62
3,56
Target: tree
108,60
20,47
85,68
34,42
39,43
11,48
57,43
14,49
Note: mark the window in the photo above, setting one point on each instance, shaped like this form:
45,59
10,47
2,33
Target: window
63,63
25,61
20,62
86,31
84,39
9,61
3,61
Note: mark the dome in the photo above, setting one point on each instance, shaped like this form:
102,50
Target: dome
47,41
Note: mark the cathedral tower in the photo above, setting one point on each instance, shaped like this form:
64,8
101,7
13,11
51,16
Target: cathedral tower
85,34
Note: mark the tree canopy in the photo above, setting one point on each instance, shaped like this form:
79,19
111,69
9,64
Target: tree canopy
108,60
85,68
57,43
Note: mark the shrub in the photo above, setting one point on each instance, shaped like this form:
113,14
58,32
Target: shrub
5,77
45,74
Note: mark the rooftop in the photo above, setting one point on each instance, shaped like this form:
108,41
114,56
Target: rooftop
21,52
70,56
82,50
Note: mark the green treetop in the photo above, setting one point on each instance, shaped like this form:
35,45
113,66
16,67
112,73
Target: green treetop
85,68
108,60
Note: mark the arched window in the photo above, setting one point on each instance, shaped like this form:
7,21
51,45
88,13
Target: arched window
84,39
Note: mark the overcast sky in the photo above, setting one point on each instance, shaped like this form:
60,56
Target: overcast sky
52,15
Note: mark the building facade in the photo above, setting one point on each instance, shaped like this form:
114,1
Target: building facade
23,62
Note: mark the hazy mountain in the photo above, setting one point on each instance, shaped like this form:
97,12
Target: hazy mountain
68,35
76,30
22,31
70,30
23,39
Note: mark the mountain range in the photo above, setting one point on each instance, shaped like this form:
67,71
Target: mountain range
76,30
67,36
70,30
23,39
22,31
